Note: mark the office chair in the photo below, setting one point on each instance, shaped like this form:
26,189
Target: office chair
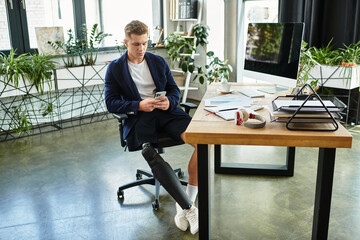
164,141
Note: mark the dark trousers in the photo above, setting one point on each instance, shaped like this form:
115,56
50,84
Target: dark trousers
145,131
149,124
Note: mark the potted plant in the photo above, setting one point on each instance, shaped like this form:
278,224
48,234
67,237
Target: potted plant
331,68
86,51
25,77
91,43
11,68
178,48
33,69
305,65
217,71
201,33
68,48
38,71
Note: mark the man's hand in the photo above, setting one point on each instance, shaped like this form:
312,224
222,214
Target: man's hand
148,104
163,103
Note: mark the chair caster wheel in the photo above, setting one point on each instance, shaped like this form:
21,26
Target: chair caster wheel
120,194
156,205
138,176
181,174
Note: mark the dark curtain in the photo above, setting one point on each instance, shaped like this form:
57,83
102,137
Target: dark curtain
324,20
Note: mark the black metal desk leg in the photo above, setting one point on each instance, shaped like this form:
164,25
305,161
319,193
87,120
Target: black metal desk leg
217,158
204,191
290,160
324,183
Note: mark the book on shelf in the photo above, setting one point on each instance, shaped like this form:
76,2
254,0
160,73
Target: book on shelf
193,8
174,9
183,9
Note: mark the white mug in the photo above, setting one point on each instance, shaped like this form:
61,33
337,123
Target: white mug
225,87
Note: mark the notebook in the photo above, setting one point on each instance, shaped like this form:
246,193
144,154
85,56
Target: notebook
226,111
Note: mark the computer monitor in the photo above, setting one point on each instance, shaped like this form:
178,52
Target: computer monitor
273,53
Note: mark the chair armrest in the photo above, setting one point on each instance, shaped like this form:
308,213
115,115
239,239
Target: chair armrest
121,117
188,106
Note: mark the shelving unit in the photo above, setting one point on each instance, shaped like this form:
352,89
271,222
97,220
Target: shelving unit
171,27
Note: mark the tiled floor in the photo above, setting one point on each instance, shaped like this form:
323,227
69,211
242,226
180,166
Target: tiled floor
62,185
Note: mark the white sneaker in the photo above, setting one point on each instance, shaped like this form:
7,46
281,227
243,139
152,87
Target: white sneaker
192,215
180,219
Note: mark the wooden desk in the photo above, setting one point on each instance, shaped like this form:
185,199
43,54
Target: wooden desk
204,130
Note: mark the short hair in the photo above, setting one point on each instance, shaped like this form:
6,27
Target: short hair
135,27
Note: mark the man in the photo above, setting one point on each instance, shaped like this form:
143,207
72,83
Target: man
130,85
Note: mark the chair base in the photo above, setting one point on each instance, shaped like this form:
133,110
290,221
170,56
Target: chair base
150,179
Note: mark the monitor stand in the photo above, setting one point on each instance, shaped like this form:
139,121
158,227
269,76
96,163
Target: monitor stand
274,89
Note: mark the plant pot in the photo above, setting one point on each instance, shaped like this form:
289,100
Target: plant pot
336,76
225,87
80,76
7,89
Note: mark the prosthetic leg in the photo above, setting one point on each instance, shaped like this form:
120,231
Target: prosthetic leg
165,175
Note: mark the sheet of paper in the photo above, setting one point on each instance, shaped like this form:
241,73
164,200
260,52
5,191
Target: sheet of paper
297,103
227,110
228,98
224,107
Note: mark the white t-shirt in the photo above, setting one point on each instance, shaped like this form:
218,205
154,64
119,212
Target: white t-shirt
144,82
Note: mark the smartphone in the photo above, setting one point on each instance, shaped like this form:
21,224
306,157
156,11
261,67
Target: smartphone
158,94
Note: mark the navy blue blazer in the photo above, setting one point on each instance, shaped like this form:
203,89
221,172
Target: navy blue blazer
121,93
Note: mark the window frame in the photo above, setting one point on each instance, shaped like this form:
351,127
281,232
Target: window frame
18,27
19,36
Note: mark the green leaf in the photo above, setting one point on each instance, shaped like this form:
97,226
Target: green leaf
210,53
184,67
191,68
201,79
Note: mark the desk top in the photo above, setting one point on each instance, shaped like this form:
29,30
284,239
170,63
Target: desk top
212,129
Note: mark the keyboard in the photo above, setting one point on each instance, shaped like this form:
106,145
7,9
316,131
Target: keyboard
251,93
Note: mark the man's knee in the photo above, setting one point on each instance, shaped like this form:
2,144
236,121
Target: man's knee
150,155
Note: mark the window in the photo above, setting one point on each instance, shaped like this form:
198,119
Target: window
116,14
4,28
216,24
24,16
19,19
47,13
92,13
